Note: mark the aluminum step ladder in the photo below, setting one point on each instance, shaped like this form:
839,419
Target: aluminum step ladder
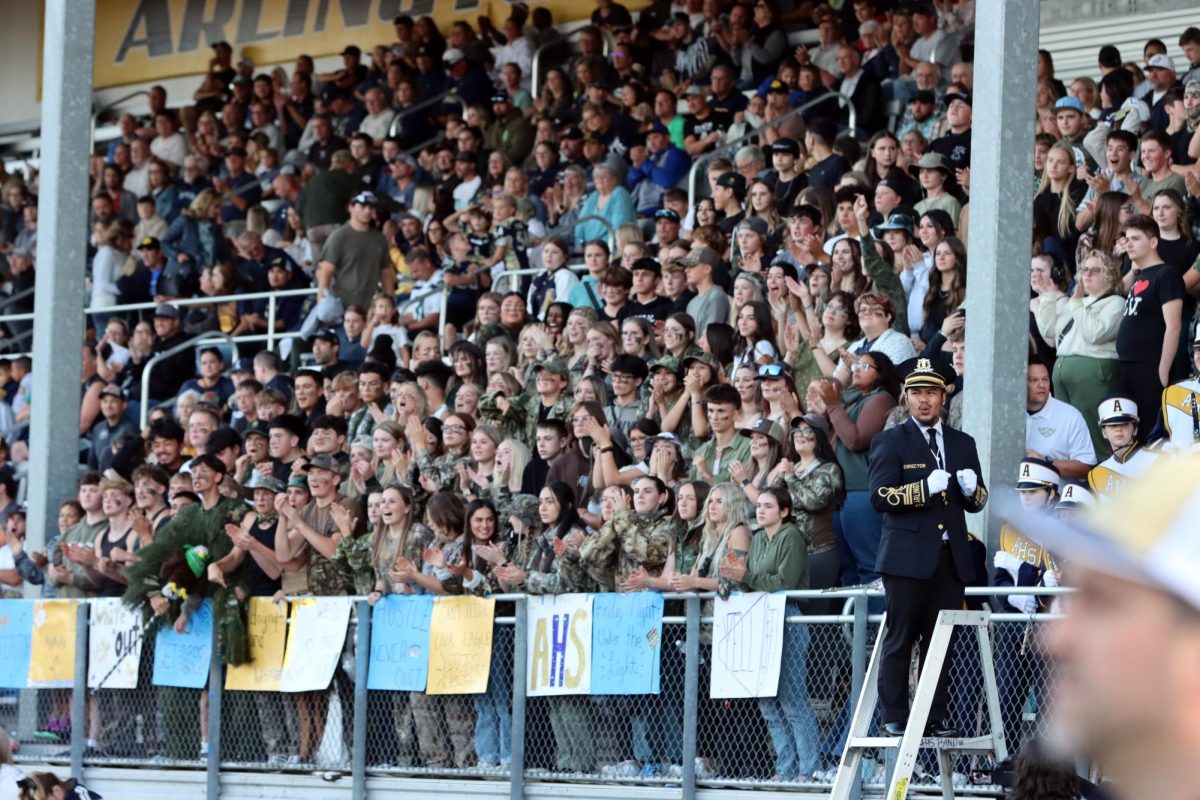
858,739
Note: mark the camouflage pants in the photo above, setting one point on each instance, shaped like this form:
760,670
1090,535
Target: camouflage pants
402,718
445,726
573,742
277,720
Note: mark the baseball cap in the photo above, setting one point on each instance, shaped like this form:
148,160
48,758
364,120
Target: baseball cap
452,56
789,146
734,181
669,363
667,213
259,428
658,127
260,481
112,390
325,334
923,96
950,98
571,132
1147,533
500,96
694,91
1161,61
756,224
704,358
363,199
555,366
766,427
1069,104
167,311
149,243
646,264
777,87
243,364
324,461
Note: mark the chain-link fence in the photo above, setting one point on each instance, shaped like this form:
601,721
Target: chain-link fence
678,736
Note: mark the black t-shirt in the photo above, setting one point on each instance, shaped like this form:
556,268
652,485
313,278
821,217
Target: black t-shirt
657,309
956,147
827,173
679,305
1140,336
715,121
727,224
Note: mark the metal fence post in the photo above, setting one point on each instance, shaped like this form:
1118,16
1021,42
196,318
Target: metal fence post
516,780
216,674
362,651
858,669
691,695
79,690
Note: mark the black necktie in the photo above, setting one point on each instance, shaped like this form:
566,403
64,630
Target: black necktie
937,454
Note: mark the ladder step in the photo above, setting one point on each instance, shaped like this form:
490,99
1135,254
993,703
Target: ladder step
968,744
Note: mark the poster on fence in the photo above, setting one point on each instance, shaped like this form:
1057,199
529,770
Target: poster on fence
16,632
114,645
627,643
460,645
52,647
266,630
559,649
747,645
182,659
316,633
400,643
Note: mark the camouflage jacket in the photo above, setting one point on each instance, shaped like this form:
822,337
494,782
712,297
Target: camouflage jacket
543,570
820,489
624,543
443,470
524,412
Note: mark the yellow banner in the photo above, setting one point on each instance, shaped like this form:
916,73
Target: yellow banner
52,651
147,40
266,629
460,645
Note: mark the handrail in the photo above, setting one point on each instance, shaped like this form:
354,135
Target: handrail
109,107
738,142
423,104
612,232
186,301
535,79
419,146
144,413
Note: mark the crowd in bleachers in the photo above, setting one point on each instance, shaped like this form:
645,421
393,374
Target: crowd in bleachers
530,361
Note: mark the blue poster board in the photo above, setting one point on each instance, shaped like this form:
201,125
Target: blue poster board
400,643
627,643
182,659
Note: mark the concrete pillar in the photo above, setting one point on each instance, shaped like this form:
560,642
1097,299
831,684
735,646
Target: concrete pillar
1006,40
61,256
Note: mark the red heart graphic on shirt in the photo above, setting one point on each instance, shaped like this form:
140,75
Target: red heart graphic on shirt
1140,286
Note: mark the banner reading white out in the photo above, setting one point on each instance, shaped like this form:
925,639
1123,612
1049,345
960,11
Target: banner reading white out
114,645
316,632
747,645
559,649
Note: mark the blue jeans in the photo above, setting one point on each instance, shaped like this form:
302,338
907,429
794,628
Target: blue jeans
858,527
493,718
789,714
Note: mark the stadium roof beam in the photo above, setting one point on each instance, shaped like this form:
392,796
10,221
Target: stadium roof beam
1006,37
68,49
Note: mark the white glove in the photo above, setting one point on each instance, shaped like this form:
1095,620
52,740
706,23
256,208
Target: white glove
1024,603
1049,579
938,480
968,481
1008,562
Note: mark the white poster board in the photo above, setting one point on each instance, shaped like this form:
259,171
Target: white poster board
747,645
559,649
114,645
316,633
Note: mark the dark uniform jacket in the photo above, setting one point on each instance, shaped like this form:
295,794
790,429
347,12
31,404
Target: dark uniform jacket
914,521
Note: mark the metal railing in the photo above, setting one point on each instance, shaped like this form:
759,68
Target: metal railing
109,107
707,743
535,79
144,411
451,93
729,148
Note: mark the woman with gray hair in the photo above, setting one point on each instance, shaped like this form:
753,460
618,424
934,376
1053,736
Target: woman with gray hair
564,200
610,201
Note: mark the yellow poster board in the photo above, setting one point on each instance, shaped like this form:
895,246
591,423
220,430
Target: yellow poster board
52,650
460,645
266,631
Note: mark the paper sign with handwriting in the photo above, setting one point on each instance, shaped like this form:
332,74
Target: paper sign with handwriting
316,633
627,643
460,645
266,631
182,659
559,650
400,643
747,645
114,644
16,631
52,649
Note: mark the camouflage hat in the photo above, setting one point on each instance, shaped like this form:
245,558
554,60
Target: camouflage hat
590,314
525,508
669,363
553,365
703,358
260,481
324,461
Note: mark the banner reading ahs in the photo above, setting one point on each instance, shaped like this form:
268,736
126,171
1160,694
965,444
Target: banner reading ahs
146,40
